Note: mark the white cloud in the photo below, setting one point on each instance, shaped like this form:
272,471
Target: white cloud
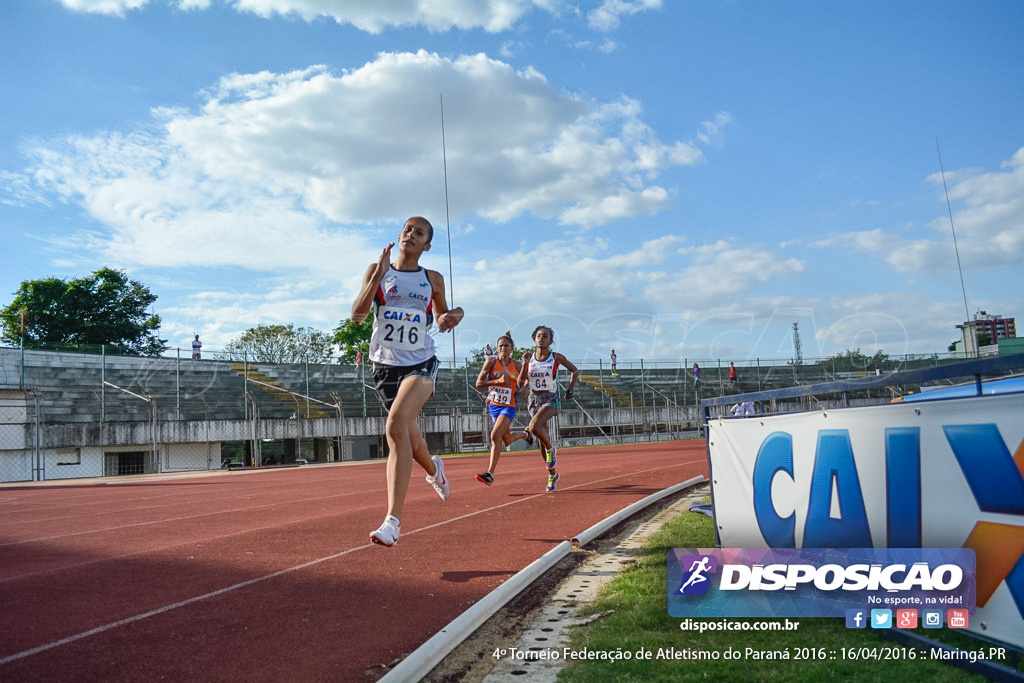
989,226
293,154
894,322
303,176
712,132
577,286
373,17
722,272
121,7
622,205
492,16
113,7
607,17
659,299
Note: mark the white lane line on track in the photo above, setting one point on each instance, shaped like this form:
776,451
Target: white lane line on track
170,519
210,538
168,608
288,570
249,492
254,488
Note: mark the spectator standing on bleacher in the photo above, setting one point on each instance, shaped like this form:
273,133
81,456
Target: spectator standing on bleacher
696,376
732,372
615,372
197,349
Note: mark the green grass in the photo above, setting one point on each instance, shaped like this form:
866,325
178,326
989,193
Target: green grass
640,622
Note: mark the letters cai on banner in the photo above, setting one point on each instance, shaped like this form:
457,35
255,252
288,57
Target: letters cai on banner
929,475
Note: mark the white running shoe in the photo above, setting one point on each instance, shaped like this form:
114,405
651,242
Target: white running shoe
439,481
387,534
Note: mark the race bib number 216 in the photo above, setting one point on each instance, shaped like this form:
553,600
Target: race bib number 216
402,329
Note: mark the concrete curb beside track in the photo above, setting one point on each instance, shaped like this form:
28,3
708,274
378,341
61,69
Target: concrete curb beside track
593,532
429,654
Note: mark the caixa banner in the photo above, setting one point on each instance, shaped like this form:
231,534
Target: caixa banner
821,582
930,474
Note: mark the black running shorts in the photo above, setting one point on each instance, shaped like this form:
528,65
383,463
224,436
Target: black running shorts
387,378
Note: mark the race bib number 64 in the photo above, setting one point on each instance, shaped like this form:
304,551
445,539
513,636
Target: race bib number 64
541,381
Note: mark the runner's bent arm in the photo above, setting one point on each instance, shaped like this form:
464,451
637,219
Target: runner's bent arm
574,372
481,380
371,282
446,318
524,372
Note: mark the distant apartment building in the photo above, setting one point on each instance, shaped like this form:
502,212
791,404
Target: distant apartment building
984,325
994,326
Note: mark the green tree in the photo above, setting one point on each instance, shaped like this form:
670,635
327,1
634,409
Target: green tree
477,357
101,309
353,337
280,344
852,360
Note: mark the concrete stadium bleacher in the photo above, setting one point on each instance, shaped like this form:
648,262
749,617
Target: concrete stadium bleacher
70,387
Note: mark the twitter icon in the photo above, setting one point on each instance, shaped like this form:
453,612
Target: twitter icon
881,618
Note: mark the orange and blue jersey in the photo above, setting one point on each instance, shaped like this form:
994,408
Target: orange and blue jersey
504,395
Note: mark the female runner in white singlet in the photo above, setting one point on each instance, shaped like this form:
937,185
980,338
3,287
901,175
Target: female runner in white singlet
406,299
540,372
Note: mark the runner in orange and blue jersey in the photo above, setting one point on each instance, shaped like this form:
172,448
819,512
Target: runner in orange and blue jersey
500,376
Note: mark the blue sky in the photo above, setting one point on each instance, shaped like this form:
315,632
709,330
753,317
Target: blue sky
674,180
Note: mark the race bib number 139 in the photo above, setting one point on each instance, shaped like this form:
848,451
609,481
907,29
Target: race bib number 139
500,396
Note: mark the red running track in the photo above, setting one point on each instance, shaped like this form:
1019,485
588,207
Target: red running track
269,575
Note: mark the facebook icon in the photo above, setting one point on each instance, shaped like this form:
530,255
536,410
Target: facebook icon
856,618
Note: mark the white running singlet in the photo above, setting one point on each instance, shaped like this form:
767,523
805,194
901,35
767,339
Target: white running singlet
402,317
542,374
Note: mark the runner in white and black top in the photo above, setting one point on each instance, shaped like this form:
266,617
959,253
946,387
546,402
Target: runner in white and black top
402,309
540,372
406,300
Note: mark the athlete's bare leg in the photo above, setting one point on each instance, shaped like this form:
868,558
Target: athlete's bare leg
405,441
539,428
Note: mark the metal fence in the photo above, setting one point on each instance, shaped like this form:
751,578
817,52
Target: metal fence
66,413
869,388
